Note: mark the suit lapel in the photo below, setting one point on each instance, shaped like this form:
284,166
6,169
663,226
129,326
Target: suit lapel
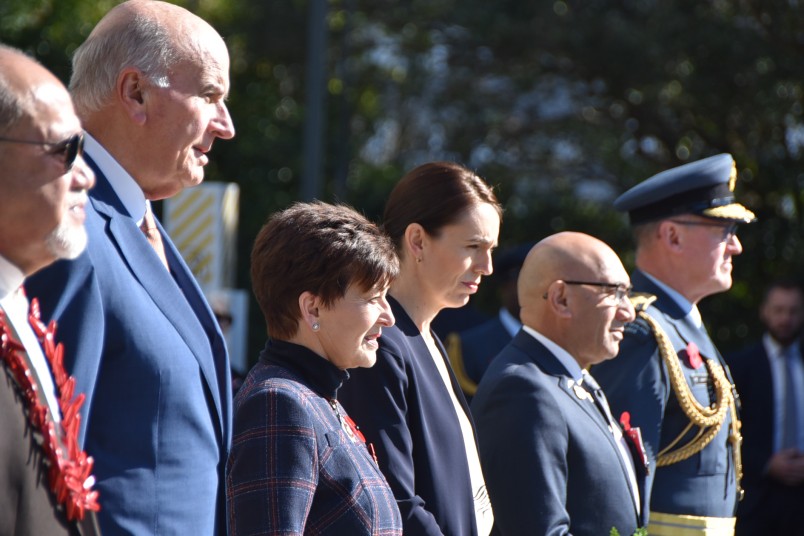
172,296
546,361
552,366
405,323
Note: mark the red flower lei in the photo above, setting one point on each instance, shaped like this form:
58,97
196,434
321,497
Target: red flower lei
70,473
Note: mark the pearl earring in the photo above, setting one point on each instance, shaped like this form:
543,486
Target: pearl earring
316,326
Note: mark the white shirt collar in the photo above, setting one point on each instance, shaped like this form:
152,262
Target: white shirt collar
564,357
508,321
123,184
691,310
11,277
775,349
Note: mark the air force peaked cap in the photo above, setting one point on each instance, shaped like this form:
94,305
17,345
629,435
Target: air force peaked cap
704,187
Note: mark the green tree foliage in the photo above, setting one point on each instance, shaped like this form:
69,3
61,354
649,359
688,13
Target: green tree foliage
562,104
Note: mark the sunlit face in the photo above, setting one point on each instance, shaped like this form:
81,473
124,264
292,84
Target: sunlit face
455,260
598,317
783,315
184,119
351,327
42,206
707,254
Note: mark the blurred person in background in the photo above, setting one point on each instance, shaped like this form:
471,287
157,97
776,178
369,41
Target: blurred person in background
769,375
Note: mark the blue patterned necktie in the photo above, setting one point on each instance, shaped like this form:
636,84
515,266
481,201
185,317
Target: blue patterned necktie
791,409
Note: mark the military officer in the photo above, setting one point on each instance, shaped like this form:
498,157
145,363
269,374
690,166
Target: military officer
668,373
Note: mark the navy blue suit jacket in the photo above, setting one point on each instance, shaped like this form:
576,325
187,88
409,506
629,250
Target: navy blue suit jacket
145,348
551,463
752,375
402,407
637,381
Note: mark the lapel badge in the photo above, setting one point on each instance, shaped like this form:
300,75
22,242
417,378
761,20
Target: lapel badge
581,393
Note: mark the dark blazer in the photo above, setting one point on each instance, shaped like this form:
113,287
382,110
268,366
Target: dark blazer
145,348
293,468
752,375
404,410
764,497
636,381
29,506
551,463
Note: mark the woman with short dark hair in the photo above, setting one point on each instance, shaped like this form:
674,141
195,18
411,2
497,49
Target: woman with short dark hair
444,221
298,464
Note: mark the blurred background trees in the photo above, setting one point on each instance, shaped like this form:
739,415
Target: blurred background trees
561,104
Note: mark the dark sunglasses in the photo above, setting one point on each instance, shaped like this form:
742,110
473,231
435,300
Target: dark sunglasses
71,148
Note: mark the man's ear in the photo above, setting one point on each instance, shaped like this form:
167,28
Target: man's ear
557,299
309,305
670,235
130,91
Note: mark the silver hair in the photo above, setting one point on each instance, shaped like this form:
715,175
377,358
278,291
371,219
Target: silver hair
143,43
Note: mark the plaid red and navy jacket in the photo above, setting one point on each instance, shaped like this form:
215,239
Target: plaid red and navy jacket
293,467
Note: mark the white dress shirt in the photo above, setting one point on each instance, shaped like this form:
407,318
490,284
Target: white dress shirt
484,516
15,305
683,303
123,184
778,367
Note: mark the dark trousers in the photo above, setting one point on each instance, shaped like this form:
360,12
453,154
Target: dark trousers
775,510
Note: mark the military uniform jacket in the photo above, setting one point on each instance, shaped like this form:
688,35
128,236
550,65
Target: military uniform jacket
637,381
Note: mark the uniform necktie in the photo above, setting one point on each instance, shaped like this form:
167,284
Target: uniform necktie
148,227
791,409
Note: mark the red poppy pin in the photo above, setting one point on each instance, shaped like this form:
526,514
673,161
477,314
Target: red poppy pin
634,436
693,356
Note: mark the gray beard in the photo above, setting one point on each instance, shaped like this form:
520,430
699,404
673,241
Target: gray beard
67,241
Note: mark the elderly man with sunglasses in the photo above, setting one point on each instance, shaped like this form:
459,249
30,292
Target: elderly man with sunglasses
45,479
669,375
